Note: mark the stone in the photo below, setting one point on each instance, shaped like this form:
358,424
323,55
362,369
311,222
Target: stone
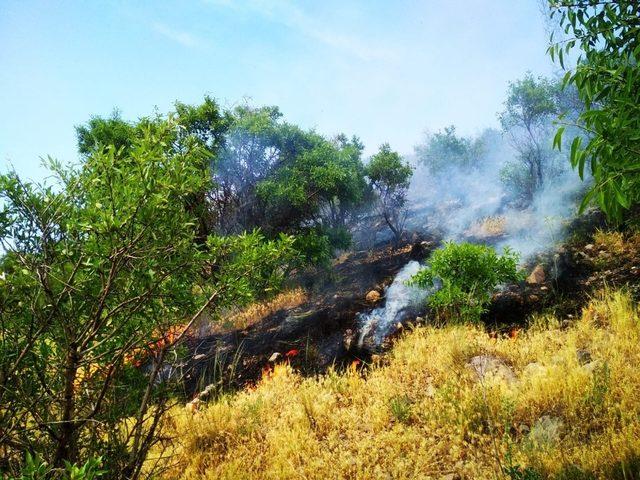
537,276
193,405
589,246
489,365
546,431
373,296
584,356
592,366
274,356
348,338
533,369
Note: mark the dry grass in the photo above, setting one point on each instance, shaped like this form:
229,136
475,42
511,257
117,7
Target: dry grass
610,241
426,414
257,311
488,227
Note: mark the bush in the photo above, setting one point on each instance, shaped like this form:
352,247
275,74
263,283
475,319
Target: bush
466,275
102,275
314,247
35,468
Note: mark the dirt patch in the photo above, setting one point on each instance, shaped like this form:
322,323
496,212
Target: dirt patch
313,335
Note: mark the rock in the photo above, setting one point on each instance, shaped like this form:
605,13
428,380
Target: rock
589,247
584,356
537,275
193,405
592,366
274,356
430,390
348,338
546,431
373,296
488,365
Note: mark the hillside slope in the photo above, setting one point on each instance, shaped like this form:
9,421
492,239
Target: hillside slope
560,399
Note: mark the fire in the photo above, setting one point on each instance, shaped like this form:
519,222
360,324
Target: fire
292,353
138,356
353,368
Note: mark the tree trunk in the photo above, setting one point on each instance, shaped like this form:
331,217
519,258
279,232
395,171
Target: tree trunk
66,449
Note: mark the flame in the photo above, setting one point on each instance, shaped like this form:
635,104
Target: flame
353,368
140,354
292,353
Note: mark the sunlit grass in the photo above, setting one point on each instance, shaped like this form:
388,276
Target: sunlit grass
247,316
572,411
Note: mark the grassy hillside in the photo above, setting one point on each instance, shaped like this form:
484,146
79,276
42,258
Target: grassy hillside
560,399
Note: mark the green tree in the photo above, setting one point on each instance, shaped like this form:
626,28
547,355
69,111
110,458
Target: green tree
101,132
317,188
390,178
266,174
445,150
101,282
530,107
606,34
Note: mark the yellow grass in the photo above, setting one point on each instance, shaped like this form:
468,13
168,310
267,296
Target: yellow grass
611,241
257,311
425,413
488,227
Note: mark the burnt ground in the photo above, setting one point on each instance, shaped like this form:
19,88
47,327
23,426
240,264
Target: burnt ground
312,336
323,331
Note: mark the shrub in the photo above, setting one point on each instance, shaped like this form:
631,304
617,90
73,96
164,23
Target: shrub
101,273
466,275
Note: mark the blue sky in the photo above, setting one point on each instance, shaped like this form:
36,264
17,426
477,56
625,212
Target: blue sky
383,70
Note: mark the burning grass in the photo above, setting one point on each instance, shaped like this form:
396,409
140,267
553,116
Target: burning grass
553,401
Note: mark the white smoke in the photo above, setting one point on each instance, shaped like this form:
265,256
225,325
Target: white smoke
399,296
455,201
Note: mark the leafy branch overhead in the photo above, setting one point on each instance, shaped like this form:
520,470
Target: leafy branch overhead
605,35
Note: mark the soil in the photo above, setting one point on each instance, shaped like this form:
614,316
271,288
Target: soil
312,336
322,332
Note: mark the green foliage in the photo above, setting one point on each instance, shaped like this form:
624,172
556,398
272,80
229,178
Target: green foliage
390,178
400,407
516,181
267,174
445,150
321,186
530,106
607,36
35,468
314,247
104,132
466,275
102,274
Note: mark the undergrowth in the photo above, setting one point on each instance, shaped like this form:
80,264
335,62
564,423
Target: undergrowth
569,409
